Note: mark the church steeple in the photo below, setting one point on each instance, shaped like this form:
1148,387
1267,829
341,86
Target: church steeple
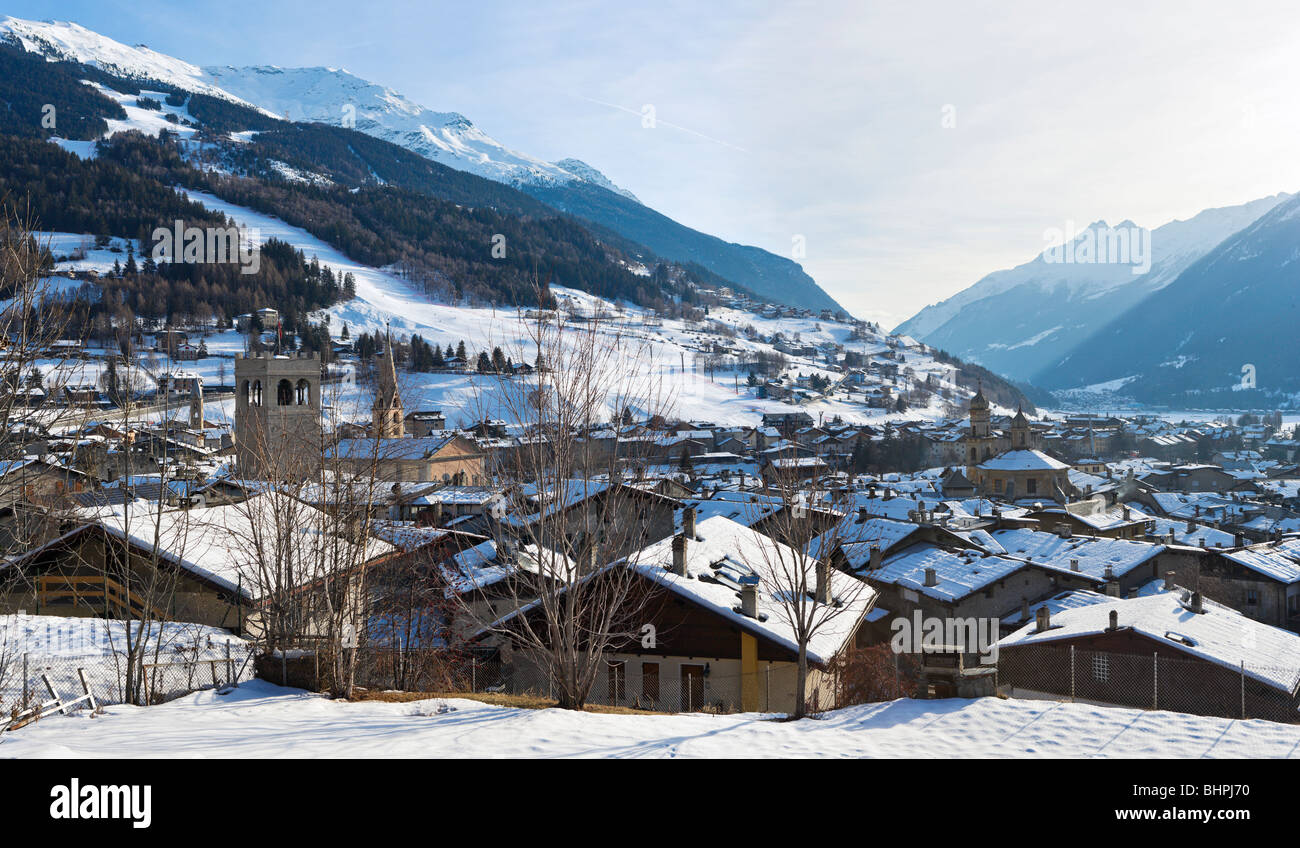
1020,431
387,413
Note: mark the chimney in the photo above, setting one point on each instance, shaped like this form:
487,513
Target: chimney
1044,620
679,555
749,597
1195,605
1114,621
1063,530
862,515
1191,526
1125,512
688,522
435,513
1240,540
1074,565
876,556
823,591
931,579
1024,609
1169,581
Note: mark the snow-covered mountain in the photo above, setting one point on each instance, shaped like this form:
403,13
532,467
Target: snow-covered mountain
327,95
1218,336
66,41
1017,321
334,96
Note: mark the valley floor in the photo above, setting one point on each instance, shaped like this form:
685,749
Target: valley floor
263,720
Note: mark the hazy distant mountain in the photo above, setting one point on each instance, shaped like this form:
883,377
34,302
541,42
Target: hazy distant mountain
1019,321
1224,323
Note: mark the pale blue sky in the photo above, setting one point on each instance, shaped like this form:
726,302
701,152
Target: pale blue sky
825,119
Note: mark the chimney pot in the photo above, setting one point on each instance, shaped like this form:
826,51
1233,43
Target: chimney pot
862,515
1044,620
1196,605
931,579
688,522
749,599
679,555
823,591
1074,565
1114,620
876,556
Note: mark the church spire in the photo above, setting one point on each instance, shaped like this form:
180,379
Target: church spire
387,416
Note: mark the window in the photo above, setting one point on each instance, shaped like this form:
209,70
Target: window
1031,485
1101,667
284,393
650,680
1252,597
997,484
616,682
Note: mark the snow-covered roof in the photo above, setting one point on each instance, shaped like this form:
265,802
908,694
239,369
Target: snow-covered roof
723,553
957,574
220,543
1023,460
1093,555
1219,635
857,538
1280,560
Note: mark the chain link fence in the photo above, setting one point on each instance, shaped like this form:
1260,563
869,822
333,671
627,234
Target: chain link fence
1150,681
29,679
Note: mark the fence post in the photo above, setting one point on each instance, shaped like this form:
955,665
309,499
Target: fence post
25,692
284,666
1071,674
1155,681
81,672
230,669
1243,689
473,674
767,685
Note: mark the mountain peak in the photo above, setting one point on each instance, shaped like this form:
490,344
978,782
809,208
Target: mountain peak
587,173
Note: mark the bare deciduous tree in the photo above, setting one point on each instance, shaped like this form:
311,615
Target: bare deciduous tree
568,515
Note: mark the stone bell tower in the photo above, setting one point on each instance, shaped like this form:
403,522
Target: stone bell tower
277,415
387,417
979,441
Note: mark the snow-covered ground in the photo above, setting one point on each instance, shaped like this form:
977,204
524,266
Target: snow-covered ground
262,720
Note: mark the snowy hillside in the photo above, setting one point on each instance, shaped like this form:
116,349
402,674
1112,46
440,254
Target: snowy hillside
292,723
671,350
1014,321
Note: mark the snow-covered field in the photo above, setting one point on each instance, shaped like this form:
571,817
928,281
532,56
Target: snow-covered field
263,720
